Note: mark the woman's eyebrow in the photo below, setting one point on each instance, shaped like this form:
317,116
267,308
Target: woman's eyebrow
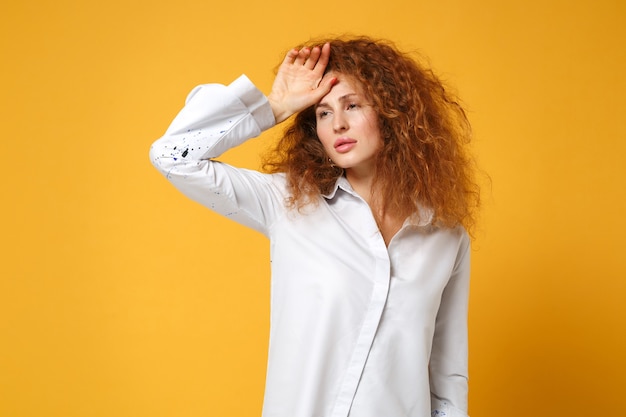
343,98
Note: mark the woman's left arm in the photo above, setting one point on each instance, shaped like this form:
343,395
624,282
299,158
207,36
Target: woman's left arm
448,361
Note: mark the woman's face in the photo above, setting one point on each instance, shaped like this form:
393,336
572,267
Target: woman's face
347,126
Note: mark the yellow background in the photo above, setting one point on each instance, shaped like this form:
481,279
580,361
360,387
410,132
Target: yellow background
119,297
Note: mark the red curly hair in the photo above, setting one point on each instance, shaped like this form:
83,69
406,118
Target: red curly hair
424,161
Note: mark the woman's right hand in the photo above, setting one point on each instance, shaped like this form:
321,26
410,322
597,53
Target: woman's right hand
300,81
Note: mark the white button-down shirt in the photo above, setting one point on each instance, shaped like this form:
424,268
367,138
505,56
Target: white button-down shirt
358,329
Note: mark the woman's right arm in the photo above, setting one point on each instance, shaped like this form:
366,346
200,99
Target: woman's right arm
214,119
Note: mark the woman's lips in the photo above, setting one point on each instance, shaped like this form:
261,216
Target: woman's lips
343,145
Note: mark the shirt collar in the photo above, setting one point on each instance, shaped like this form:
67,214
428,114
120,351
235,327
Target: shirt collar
422,220
342,183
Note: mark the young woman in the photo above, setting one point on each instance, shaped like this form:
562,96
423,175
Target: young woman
366,204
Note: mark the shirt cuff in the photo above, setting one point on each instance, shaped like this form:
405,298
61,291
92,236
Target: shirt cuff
444,409
254,100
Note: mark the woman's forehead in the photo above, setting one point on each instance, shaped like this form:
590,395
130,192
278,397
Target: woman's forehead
346,85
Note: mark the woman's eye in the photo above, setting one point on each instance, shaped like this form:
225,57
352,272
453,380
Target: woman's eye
352,106
322,114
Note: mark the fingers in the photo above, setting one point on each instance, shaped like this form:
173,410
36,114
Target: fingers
327,83
323,57
303,56
316,58
291,56
312,59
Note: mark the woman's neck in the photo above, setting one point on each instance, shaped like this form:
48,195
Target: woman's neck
388,223
362,183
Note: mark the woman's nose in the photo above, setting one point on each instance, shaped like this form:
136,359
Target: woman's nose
340,123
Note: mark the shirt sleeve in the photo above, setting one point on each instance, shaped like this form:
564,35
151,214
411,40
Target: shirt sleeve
448,362
214,119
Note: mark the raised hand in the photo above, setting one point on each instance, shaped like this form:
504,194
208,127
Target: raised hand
300,81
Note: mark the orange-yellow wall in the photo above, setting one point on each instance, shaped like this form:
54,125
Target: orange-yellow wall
118,297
